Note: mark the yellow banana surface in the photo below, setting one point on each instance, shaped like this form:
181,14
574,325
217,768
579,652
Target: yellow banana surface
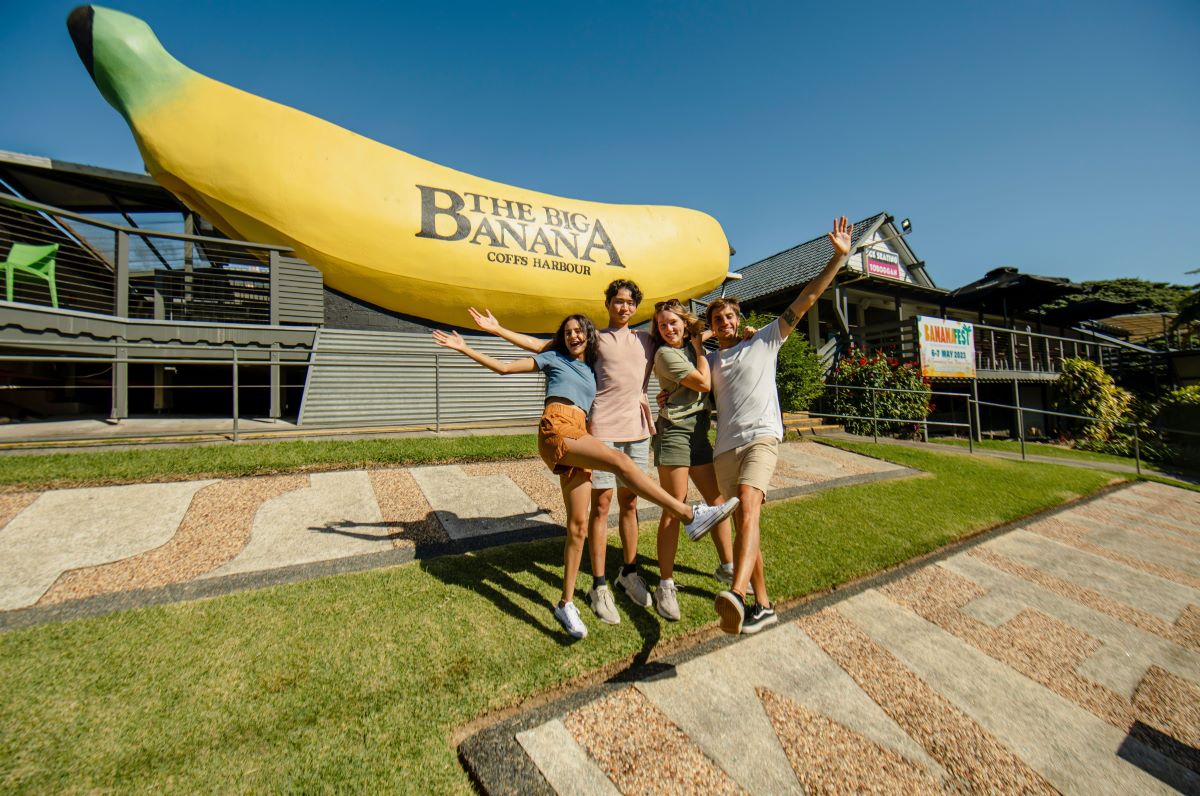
382,225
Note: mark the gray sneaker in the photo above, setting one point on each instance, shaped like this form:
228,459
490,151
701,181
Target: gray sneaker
726,576
665,601
603,606
704,517
635,587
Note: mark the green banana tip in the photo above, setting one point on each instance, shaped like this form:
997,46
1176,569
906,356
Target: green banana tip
79,25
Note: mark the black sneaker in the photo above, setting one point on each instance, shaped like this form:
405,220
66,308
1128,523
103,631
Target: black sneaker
758,617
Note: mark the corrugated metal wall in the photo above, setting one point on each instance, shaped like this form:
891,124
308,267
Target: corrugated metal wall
301,293
403,378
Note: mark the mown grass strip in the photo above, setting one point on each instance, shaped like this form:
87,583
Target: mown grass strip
58,470
356,682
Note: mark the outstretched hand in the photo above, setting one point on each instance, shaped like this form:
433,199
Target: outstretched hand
451,340
484,320
841,236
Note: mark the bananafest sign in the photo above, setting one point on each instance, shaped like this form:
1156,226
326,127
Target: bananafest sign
947,348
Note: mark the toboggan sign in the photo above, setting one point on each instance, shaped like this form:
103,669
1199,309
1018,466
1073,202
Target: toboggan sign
383,225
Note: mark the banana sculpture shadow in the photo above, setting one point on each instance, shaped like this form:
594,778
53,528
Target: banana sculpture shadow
383,225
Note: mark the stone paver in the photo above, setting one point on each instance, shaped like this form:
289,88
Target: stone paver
72,528
868,695
335,516
469,506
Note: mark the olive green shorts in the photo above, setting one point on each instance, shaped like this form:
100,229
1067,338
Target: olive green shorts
677,445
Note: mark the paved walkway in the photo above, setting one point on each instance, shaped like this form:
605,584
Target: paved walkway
1062,654
75,552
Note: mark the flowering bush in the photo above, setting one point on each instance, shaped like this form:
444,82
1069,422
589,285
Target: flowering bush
860,369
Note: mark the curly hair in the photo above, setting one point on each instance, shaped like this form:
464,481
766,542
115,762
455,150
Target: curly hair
610,292
559,343
692,324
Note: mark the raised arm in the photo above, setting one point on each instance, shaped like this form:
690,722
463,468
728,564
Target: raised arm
699,379
454,342
840,238
488,323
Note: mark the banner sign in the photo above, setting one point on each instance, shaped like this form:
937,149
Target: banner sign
947,348
883,263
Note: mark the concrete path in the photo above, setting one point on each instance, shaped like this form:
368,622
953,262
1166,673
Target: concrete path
1059,655
63,548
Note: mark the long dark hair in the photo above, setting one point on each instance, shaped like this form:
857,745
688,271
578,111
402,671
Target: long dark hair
559,343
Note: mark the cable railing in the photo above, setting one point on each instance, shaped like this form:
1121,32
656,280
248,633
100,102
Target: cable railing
129,272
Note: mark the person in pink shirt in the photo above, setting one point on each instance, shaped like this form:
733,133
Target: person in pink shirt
621,419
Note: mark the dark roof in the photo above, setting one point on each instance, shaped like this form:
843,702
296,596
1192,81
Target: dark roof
789,269
85,189
1007,288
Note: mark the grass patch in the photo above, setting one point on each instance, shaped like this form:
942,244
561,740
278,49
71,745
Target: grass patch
1041,449
58,470
355,682
1150,470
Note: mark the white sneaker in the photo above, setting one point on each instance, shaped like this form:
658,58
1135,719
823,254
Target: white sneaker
704,517
725,576
635,587
568,616
665,600
603,606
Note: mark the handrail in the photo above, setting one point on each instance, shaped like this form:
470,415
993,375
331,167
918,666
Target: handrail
29,204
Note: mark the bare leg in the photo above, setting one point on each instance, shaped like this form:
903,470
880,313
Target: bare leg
627,523
674,480
747,557
598,524
590,453
576,489
705,479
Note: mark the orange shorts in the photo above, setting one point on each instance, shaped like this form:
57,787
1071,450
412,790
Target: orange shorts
560,422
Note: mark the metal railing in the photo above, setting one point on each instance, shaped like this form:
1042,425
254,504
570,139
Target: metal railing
129,272
1000,349
973,425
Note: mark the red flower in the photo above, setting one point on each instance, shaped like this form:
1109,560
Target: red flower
892,361
862,361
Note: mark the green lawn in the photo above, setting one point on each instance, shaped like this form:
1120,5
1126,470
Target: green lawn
1041,449
357,682
57,470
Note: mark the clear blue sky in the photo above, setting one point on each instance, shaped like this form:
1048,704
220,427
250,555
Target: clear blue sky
1061,138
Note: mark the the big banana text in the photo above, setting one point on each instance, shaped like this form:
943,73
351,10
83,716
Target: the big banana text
383,225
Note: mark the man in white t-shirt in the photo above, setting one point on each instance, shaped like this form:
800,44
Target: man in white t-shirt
621,419
750,428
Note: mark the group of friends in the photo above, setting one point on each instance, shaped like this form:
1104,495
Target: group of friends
597,430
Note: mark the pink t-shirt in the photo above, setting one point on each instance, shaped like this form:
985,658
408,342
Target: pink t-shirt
621,412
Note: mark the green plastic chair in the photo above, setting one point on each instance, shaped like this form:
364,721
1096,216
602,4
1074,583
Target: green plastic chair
35,261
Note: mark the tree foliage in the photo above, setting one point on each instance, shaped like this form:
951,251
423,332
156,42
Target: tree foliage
1189,308
1146,295
1083,388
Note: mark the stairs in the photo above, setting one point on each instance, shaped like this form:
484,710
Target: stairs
802,425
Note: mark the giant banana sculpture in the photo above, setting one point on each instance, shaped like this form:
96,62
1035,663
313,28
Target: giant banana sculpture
383,225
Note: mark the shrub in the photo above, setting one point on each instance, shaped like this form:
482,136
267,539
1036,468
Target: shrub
1083,388
799,371
859,369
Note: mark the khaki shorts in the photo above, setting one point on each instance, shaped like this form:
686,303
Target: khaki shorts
679,446
560,422
752,464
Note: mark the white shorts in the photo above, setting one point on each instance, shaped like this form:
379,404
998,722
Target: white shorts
638,450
